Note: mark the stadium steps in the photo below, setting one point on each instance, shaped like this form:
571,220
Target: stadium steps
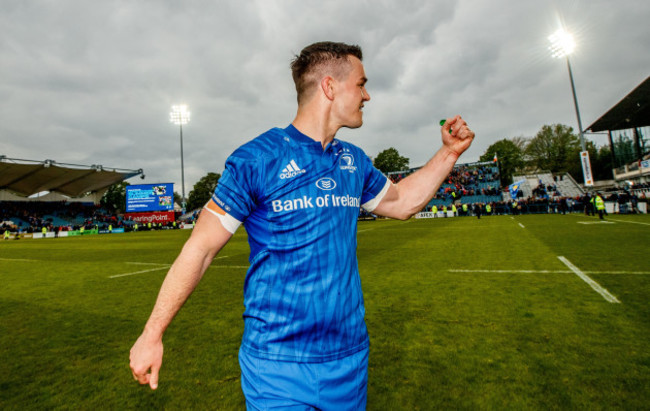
569,187
566,185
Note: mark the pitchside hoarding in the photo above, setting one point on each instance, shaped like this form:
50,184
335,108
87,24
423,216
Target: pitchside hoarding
158,217
586,168
150,197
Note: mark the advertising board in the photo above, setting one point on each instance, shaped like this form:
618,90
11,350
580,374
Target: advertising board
150,197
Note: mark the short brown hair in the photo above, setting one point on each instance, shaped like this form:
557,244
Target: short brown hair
319,55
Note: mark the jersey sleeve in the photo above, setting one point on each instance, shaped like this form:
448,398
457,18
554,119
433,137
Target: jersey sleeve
234,198
375,185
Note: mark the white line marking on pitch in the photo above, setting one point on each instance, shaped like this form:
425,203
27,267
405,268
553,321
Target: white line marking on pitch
609,219
618,272
136,263
513,271
140,272
549,272
600,290
631,222
16,259
521,225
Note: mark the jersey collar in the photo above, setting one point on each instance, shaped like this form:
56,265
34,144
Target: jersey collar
303,139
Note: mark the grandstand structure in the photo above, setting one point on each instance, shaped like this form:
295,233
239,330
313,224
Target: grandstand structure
632,114
20,179
35,194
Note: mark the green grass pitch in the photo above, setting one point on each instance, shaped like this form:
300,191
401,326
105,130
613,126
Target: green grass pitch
462,314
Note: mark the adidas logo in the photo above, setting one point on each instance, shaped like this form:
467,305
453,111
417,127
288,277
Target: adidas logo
291,170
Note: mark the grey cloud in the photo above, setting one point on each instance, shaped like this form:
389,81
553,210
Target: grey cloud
93,82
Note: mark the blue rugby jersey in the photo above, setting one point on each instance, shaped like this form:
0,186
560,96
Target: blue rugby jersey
299,204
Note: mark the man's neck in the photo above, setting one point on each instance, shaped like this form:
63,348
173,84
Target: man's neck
315,127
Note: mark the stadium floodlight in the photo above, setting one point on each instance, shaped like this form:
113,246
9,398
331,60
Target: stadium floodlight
562,45
179,116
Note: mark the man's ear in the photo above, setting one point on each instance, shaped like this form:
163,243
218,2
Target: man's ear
327,85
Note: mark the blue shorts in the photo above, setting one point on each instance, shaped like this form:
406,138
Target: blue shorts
334,385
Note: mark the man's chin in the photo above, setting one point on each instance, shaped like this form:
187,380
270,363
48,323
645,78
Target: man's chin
356,124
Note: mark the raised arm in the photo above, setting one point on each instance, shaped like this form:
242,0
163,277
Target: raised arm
411,194
207,239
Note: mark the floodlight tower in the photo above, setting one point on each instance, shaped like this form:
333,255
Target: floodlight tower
179,116
562,45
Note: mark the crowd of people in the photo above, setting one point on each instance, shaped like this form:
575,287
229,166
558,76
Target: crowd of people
623,202
33,216
464,180
40,216
545,191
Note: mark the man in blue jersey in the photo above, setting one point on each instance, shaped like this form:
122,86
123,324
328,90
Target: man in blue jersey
298,191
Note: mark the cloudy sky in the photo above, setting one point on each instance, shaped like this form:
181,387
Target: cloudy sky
92,82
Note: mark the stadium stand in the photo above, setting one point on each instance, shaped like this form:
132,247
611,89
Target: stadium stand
32,216
470,184
72,194
544,192
29,177
560,185
466,184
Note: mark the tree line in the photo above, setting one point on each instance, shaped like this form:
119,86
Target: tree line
555,148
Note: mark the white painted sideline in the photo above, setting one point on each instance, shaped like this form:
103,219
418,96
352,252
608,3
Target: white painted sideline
138,263
600,290
548,272
140,272
629,222
512,271
166,266
610,219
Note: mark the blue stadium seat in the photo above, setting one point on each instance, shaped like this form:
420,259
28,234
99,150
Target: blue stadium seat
56,221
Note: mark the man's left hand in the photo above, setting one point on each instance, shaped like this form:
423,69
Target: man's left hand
460,137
